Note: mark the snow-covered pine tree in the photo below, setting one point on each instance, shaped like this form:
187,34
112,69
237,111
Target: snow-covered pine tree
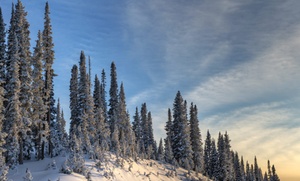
25,72
237,167
102,130
213,163
242,169
196,141
229,174
12,110
63,130
181,139
103,94
221,167
136,127
160,150
168,148
274,176
144,126
3,167
74,99
97,93
113,102
123,123
49,74
39,127
2,49
151,140
85,105
207,155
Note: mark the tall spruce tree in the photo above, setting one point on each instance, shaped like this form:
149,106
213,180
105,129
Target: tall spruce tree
181,139
123,123
136,127
74,99
12,110
196,141
103,94
168,147
2,49
40,126
152,143
49,74
85,109
25,73
113,102
144,126
207,155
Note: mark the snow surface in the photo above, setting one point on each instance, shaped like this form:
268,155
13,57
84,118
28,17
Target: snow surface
110,169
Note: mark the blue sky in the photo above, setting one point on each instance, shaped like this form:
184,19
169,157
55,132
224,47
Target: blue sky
238,61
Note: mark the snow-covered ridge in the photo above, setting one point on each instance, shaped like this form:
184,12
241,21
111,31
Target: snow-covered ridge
110,168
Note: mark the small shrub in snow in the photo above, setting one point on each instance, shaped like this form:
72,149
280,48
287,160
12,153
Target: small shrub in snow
65,168
28,176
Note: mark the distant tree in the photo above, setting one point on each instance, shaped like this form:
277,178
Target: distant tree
103,95
229,172
160,151
136,127
113,101
207,155
274,176
97,93
242,169
168,147
74,99
237,167
181,139
2,49
151,141
123,124
144,126
196,141
214,162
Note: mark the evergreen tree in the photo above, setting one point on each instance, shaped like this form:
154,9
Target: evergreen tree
229,173
103,95
113,101
274,176
3,167
49,74
85,106
25,94
74,99
151,140
12,110
213,163
160,151
2,49
136,127
242,169
123,123
196,141
103,132
237,167
40,126
97,93
181,139
207,155
144,126
168,148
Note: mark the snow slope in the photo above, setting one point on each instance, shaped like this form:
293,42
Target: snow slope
109,169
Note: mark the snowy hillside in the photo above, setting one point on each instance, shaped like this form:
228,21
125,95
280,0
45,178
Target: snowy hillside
110,169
